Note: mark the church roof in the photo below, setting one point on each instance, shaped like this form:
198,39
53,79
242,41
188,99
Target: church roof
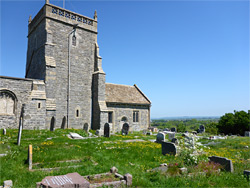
116,93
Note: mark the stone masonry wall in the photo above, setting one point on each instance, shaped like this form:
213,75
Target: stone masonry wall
81,70
120,111
33,116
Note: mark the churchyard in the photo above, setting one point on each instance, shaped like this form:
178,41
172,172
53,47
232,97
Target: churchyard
54,154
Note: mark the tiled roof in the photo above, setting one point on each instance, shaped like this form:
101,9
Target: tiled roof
116,93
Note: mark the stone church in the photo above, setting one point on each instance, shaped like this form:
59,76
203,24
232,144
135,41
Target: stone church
64,85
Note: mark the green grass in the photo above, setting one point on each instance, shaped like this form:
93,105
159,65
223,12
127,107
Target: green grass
98,155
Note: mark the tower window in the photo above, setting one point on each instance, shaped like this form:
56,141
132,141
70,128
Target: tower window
74,40
110,117
39,105
135,116
77,113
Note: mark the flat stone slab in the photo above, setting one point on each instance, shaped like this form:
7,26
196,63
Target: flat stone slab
67,181
134,140
75,136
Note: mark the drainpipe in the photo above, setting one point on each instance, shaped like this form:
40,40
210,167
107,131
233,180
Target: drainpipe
68,92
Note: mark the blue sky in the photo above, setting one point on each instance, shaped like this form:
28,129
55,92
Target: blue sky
191,58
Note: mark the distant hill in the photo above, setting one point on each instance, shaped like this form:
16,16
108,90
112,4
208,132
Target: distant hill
188,117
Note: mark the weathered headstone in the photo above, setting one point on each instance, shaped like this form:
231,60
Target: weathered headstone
128,179
224,162
7,184
168,148
86,127
202,129
173,129
175,141
30,157
4,131
247,133
106,130
113,170
125,129
246,173
171,136
166,129
160,137
66,181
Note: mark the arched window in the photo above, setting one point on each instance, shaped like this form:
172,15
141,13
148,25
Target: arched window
7,102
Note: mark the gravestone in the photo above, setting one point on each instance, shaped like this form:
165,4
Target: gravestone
30,157
247,174
173,129
247,133
202,129
67,181
86,127
175,141
128,178
149,133
20,131
7,184
75,136
4,131
106,130
168,148
125,129
166,129
160,137
224,162
171,136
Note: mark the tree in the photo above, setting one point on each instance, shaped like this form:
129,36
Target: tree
236,123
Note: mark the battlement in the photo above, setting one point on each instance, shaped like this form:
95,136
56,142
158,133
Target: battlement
57,13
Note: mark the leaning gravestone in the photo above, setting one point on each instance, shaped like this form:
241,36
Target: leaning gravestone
106,130
160,137
173,129
224,162
66,181
168,148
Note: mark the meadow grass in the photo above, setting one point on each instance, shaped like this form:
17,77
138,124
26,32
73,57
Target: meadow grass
98,155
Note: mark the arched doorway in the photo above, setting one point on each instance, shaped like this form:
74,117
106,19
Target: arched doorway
125,129
63,123
52,124
106,130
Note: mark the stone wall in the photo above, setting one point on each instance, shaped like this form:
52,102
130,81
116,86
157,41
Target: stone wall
81,70
29,92
120,111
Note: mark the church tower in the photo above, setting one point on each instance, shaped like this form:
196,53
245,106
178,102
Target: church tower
62,51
